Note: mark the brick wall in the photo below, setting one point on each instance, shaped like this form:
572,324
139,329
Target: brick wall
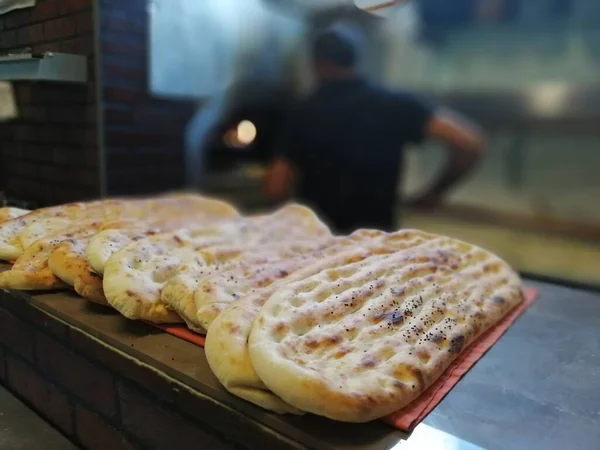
98,398
143,135
50,153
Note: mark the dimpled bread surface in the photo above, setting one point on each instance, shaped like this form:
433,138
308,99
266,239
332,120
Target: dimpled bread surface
361,341
227,339
271,247
135,276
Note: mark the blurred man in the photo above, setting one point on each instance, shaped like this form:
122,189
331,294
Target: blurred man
343,144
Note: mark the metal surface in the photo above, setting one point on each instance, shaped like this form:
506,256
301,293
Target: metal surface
61,67
537,388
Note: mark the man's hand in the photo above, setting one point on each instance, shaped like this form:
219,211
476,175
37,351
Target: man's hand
424,202
465,148
279,180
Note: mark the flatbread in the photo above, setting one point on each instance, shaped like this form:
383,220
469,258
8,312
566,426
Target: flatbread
226,344
90,286
200,293
361,341
104,244
41,228
11,246
8,213
135,276
31,271
274,246
69,262
227,338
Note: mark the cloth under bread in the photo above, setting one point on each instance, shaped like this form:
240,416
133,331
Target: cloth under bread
409,417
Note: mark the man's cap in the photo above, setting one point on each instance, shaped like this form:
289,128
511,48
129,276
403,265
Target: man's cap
339,44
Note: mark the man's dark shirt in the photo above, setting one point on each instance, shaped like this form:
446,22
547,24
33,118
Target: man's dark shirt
346,143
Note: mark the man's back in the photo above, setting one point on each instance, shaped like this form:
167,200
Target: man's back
346,141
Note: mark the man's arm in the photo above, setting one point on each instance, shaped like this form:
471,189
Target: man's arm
279,180
466,147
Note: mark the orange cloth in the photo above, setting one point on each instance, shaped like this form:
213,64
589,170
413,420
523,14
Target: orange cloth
183,332
409,417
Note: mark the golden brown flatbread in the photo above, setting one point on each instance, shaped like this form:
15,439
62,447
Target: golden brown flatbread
362,340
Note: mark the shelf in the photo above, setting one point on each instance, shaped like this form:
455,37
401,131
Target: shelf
61,67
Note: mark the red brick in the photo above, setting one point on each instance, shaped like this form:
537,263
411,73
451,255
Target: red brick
23,36
51,134
24,168
45,48
41,153
84,22
31,34
94,433
60,28
37,317
12,149
68,114
114,71
51,173
65,194
16,335
130,53
91,114
93,384
33,113
45,10
2,365
45,397
78,46
84,177
120,95
25,133
158,427
17,18
36,33
90,136
118,116
69,6
23,92
141,375
126,23
9,39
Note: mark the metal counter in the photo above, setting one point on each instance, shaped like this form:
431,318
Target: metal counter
537,388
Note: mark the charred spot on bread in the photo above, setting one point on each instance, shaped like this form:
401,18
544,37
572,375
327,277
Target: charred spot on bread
456,344
498,299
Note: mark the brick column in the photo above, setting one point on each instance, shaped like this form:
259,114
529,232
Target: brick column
50,153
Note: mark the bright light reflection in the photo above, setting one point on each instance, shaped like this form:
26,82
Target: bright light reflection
246,132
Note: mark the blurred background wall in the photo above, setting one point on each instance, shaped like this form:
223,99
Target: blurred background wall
170,81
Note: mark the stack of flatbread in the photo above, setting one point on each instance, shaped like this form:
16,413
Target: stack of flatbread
297,320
